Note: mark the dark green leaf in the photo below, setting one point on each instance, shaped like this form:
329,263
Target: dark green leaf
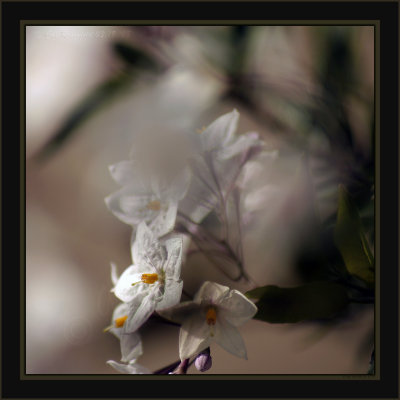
135,57
92,103
315,300
84,110
350,239
256,293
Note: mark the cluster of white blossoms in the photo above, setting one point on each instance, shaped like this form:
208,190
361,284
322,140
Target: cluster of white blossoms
167,191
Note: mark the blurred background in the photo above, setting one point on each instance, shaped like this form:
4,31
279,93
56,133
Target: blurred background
307,90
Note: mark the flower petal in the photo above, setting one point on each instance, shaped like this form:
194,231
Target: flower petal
131,346
194,336
172,294
129,206
125,172
198,203
203,194
164,222
131,368
220,132
147,250
172,266
210,292
180,185
120,310
240,145
114,274
124,289
228,337
236,308
141,308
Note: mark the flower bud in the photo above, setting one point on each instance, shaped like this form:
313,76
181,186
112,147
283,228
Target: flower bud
203,361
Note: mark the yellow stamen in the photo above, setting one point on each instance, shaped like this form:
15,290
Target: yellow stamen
149,278
119,322
211,316
154,205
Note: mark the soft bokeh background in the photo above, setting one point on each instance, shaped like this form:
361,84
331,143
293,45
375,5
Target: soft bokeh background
306,90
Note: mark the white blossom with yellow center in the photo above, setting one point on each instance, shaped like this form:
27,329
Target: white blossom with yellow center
131,344
153,281
144,199
213,315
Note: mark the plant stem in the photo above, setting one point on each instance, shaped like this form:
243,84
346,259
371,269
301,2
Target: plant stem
167,369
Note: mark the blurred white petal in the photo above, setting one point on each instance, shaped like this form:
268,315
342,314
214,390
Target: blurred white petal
131,368
164,222
220,132
240,145
124,172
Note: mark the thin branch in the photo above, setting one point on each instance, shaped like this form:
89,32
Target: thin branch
167,369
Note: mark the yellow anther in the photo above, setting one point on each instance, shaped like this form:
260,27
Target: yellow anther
154,205
211,316
201,130
119,322
149,278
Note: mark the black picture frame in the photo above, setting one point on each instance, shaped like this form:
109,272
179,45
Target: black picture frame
14,383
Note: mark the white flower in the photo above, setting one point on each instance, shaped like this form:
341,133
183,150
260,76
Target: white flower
217,166
151,200
153,281
214,314
131,345
219,133
131,368
219,137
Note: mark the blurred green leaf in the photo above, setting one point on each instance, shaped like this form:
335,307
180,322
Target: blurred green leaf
256,293
351,241
100,95
83,111
315,300
135,57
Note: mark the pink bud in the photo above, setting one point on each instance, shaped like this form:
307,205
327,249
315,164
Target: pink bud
203,361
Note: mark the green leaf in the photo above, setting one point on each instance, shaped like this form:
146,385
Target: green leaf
83,111
256,293
136,62
135,57
315,300
351,241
